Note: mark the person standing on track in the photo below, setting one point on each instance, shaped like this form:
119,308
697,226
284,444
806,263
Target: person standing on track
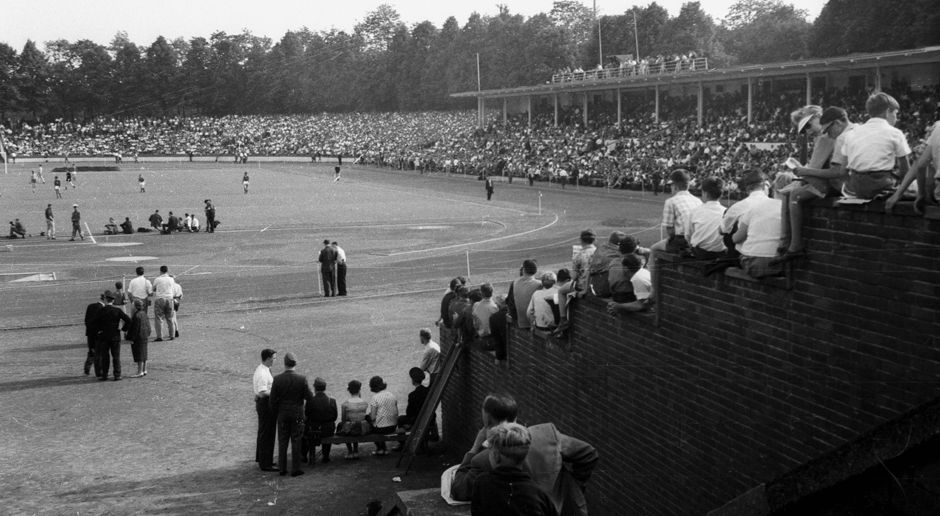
76,223
50,223
489,188
163,303
57,186
142,183
210,216
327,259
340,269
245,181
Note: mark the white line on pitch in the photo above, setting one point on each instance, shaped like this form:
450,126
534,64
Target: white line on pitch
504,237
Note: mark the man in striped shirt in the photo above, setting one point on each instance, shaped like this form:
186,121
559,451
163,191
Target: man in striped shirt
677,218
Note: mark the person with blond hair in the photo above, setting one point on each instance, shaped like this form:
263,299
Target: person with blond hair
508,489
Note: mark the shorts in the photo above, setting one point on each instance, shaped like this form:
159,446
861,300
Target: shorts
824,186
869,185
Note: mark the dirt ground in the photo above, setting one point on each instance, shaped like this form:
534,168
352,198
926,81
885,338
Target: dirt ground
181,440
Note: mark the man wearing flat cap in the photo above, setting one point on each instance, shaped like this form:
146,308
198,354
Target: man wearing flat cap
581,272
289,391
677,217
107,322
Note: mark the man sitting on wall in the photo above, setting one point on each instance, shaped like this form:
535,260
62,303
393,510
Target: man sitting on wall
759,229
559,464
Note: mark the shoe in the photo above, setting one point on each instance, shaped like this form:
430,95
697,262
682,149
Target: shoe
296,473
158,339
177,335
102,378
270,468
138,375
117,378
144,373
71,240
87,370
169,338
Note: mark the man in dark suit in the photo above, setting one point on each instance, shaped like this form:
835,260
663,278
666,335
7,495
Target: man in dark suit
107,322
288,393
327,259
91,333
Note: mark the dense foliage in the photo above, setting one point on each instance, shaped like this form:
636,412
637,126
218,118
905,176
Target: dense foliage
384,65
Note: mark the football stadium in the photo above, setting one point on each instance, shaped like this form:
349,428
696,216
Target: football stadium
642,260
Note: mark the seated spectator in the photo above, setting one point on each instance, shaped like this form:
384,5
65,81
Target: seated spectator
353,417
930,157
706,240
194,223
540,311
110,228
127,227
749,184
382,412
621,289
463,313
561,465
520,293
677,218
581,276
483,310
17,230
320,416
156,221
758,230
172,224
874,148
600,264
187,223
508,488
815,182
415,399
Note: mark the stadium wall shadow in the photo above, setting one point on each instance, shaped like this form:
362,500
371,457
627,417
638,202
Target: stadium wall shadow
734,383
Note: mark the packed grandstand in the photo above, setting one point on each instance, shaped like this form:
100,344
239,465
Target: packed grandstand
631,155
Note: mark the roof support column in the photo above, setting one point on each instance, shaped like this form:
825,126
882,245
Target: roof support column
656,112
555,100
584,111
481,107
619,110
530,110
809,90
877,78
701,103
750,101
505,109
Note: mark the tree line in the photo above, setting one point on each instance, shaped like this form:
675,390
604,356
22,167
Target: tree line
385,65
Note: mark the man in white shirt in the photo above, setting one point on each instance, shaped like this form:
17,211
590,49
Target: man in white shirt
483,310
431,360
139,288
758,233
194,223
177,298
267,423
340,269
541,315
706,240
163,303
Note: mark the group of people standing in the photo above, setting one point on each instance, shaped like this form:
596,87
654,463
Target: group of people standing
332,261
301,418
126,311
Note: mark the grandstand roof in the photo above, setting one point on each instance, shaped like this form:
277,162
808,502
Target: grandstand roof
782,69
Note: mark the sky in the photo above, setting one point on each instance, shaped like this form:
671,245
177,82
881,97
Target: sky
144,20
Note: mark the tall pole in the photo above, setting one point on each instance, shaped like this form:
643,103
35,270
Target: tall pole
636,36
600,46
478,71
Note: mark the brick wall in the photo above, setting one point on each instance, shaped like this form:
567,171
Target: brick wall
736,382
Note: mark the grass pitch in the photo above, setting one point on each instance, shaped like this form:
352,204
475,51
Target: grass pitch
182,439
